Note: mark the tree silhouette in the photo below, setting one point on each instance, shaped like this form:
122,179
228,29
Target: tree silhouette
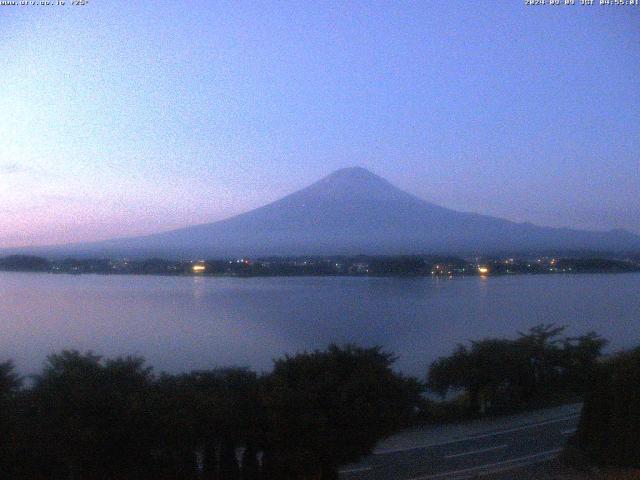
328,408
89,418
10,384
610,422
94,416
208,415
499,374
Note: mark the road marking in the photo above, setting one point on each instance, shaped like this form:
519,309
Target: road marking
568,432
475,437
355,470
494,467
473,452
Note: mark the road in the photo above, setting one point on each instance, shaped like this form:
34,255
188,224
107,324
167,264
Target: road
474,449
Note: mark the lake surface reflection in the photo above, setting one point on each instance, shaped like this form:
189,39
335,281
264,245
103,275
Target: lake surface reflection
184,323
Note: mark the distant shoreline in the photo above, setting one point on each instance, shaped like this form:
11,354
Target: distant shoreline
335,266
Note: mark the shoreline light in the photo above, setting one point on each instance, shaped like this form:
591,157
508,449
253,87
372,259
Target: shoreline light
198,268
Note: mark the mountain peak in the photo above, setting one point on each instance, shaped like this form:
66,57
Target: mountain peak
354,176
351,182
353,173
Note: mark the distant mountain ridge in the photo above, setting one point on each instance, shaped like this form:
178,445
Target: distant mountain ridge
354,211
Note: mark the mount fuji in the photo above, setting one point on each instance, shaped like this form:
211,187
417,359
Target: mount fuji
353,211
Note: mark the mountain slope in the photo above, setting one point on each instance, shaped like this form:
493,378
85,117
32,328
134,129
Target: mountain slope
354,211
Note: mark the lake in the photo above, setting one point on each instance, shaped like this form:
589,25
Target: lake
184,323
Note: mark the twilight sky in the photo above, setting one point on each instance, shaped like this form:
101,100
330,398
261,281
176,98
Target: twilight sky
131,117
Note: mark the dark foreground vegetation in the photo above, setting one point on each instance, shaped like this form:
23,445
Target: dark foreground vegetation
538,368
359,265
541,368
86,418
609,430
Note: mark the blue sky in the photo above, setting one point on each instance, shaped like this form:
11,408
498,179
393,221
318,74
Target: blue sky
123,117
